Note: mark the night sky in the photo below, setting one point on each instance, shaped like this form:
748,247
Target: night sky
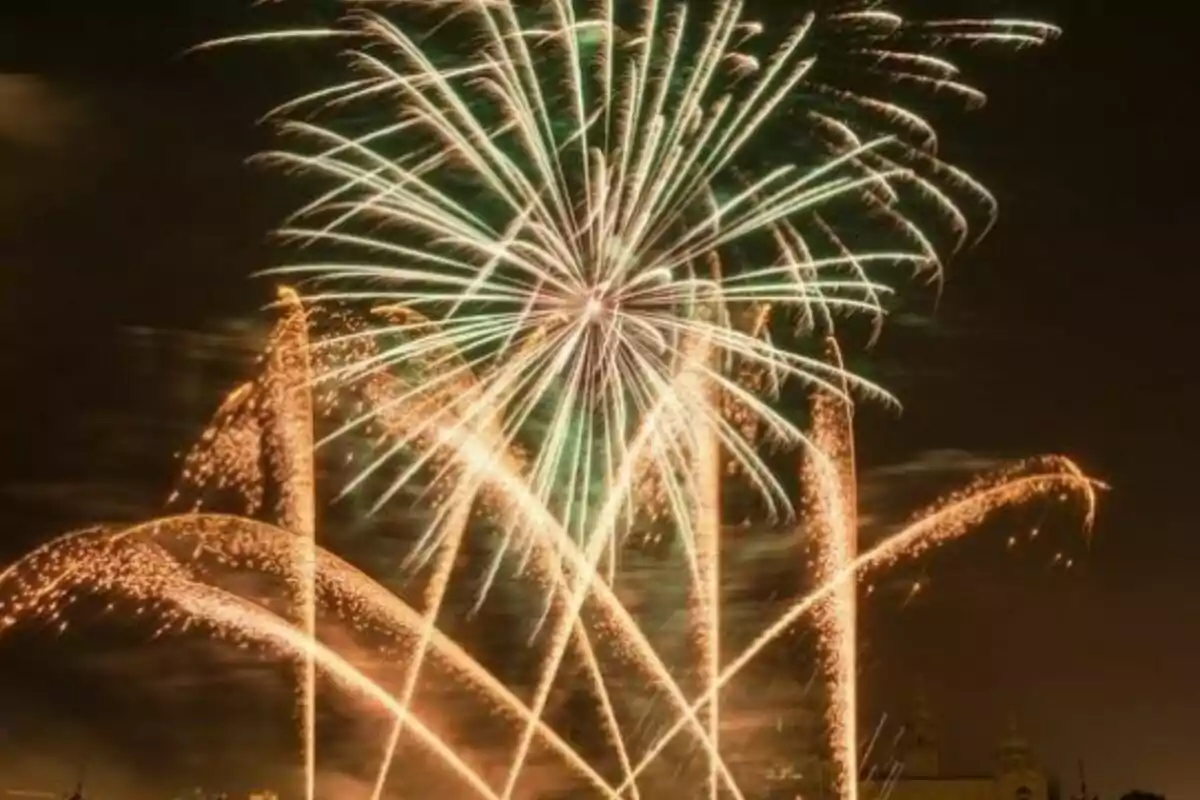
125,202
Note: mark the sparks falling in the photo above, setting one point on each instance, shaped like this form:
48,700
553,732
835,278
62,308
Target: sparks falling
170,570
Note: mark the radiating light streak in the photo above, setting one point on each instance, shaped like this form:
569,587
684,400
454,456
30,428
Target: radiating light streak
945,522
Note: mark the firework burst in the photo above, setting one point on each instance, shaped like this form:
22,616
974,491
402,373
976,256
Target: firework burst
582,204
188,572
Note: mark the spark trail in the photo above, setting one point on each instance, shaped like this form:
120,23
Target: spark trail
171,568
830,481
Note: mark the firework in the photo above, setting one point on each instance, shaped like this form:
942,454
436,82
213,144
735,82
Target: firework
584,251
574,199
176,570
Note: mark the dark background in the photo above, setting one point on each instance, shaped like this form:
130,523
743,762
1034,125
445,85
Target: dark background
124,201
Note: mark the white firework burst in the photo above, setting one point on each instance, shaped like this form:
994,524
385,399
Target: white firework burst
607,220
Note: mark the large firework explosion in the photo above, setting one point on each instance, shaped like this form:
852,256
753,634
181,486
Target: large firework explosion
588,248
579,199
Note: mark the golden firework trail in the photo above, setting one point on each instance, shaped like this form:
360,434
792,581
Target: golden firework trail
171,570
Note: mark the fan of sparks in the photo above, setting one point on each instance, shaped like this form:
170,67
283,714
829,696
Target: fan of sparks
563,209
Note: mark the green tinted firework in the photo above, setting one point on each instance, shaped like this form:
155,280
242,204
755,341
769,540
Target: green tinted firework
623,219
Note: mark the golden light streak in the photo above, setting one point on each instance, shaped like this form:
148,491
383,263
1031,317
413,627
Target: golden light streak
139,562
1045,478
290,438
830,481
612,161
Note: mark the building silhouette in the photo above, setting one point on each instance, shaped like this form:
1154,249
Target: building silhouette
917,773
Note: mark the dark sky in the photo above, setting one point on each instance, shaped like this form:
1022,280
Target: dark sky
124,201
